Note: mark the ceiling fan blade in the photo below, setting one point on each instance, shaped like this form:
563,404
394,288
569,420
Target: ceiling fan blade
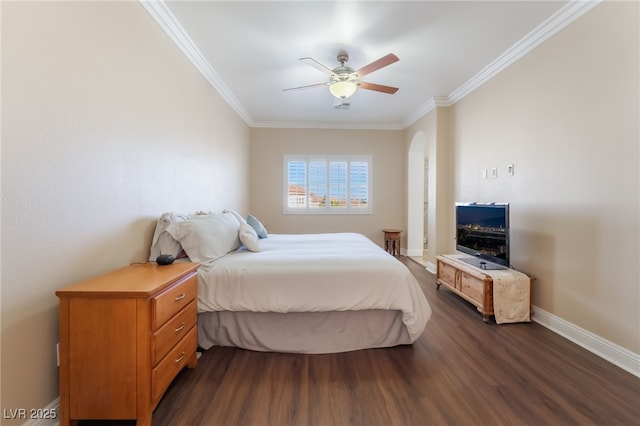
378,87
376,65
317,65
306,87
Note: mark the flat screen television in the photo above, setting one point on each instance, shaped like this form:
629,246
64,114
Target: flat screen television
482,230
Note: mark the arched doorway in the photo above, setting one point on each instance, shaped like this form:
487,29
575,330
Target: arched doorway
416,195
433,194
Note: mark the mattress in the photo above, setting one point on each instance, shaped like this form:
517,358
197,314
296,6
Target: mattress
310,293
302,332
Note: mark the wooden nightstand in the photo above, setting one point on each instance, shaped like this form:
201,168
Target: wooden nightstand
124,336
392,241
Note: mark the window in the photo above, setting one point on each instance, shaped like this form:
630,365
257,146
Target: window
327,184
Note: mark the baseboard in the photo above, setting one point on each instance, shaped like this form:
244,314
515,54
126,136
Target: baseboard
51,410
412,252
609,351
431,267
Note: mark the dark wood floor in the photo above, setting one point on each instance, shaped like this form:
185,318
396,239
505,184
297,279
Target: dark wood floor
461,371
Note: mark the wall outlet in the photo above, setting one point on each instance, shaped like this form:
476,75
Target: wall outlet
494,172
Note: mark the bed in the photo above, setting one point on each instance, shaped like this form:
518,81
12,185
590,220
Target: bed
307,293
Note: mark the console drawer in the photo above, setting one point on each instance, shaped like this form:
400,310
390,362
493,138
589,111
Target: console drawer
472,287
447,273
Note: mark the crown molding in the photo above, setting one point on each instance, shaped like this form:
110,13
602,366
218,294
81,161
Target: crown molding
422,110
167,21
426,108
325,125
558,21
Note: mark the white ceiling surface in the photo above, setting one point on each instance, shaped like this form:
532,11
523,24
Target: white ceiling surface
251,51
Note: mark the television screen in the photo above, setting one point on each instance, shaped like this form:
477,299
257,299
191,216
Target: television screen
482,230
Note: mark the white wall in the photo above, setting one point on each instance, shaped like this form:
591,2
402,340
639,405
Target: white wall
566,116
105,125
417,154
268,147
434,127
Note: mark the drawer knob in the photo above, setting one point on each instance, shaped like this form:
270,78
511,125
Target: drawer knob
179,328
180,358
182,296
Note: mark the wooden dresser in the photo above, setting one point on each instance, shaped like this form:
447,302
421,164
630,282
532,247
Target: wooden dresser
124,336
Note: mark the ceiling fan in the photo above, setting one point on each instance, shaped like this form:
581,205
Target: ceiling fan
344,80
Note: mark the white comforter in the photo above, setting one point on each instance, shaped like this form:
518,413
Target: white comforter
313,273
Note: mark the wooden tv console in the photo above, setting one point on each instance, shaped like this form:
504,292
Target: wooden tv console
468,282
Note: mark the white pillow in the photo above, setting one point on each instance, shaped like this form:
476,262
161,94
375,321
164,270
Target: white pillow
236,214
249,237
163,242
208,237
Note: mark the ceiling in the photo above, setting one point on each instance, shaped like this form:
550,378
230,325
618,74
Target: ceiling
250,50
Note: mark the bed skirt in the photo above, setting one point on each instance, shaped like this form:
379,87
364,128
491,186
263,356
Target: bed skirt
302,332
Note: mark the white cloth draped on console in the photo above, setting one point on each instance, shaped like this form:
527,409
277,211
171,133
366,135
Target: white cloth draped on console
511,295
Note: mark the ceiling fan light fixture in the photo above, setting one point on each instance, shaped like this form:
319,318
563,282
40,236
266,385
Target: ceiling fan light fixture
344,80
343,89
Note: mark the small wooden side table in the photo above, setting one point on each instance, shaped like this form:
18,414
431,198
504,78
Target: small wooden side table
392,241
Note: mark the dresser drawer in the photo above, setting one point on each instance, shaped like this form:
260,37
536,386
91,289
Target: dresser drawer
171,301
447,273
472,287
170,365
174,330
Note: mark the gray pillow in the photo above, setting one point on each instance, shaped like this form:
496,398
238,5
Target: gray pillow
255,224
